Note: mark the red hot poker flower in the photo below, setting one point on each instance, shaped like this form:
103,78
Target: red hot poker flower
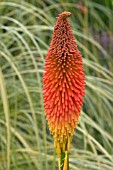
64,84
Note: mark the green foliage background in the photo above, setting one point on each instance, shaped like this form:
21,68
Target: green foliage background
25,33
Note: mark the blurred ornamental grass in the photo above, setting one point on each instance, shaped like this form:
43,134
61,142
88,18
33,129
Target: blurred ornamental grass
25,33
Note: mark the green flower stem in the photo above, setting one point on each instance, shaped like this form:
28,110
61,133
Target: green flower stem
64,161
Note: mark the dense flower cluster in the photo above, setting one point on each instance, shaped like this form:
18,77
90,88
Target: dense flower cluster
64,84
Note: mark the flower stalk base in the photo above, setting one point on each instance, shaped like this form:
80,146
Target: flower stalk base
63,162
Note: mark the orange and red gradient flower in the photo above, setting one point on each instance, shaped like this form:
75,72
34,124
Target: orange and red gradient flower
64,84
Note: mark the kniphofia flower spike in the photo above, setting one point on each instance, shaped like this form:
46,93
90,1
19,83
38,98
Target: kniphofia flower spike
64,85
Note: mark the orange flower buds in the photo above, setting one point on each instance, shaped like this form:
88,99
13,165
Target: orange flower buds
64,84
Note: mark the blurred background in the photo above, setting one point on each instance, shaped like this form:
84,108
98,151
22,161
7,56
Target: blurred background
25,33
